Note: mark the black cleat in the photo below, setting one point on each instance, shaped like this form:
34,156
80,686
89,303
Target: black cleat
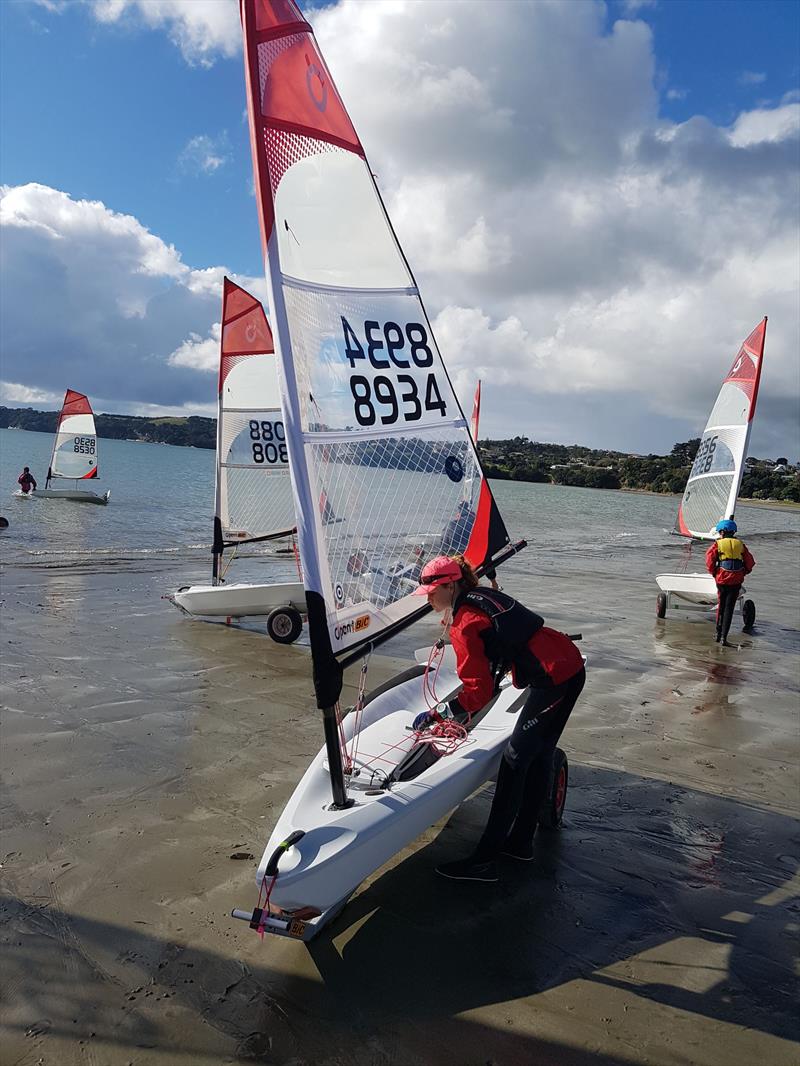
469,870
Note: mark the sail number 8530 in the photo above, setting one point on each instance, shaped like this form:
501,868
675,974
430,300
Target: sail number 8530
381,397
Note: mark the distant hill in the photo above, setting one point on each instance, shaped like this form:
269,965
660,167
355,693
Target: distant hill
194,432
518,459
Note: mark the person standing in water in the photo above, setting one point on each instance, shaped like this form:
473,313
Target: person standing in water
491,632
729,562
26,481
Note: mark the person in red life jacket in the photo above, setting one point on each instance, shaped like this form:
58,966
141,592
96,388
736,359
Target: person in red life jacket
490,633
26,481
729,562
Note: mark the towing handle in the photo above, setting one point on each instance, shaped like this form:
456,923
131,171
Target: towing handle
272,866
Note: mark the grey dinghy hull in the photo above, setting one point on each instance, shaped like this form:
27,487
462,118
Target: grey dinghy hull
77,495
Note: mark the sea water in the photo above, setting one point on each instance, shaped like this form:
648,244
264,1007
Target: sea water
160,518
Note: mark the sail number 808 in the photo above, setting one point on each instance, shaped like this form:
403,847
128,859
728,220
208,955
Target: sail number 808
268,442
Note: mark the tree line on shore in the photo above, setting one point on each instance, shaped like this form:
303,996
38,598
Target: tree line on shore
521,459
517,459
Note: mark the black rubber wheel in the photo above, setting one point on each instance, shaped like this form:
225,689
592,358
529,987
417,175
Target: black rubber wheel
552,810
284,625
661,605
748,615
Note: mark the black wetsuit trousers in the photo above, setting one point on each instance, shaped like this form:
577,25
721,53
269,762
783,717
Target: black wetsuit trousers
524,772
727,597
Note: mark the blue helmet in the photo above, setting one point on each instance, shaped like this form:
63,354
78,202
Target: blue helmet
727,526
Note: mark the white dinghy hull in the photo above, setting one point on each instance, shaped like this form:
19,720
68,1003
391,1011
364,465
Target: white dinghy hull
238,601
697,589
697,592
78,495
340,848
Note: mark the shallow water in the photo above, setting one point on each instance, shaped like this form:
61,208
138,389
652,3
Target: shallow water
142,749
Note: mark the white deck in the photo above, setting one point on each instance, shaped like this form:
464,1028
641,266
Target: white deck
78,495
237,601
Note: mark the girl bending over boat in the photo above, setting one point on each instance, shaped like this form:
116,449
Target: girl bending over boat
492,633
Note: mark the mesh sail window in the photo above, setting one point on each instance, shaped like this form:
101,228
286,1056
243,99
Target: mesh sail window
254,493
717,470
376,435
75,445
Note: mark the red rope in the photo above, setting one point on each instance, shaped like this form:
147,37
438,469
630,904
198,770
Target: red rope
263,887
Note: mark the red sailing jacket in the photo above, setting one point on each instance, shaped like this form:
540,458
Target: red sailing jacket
557,655
728,577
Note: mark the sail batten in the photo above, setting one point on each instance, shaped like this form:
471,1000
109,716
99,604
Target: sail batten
718,466
373,426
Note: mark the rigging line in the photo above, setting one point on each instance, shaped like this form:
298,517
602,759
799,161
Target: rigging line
228,563
359,707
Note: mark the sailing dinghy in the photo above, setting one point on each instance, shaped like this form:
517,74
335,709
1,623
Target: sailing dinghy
715,479
373,424
253,495
74,452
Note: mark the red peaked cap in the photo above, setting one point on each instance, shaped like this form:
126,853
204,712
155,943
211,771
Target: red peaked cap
438,571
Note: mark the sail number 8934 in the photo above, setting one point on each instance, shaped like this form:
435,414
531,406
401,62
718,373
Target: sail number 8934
381,397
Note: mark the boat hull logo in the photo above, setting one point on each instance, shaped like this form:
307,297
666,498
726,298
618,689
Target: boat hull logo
357,625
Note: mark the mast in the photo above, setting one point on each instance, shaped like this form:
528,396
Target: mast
373,426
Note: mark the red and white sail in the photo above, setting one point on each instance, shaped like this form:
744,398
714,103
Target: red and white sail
75,445
718,467
372,422
253,491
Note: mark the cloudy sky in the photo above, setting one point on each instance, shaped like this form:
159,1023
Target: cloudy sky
599,200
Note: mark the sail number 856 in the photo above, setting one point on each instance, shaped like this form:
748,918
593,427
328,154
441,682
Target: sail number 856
704,459
381,397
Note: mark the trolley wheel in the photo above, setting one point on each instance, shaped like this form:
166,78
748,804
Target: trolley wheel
748,615
284,625
552,810
661,605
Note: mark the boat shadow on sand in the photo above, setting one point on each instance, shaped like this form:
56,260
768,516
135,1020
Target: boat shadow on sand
654,896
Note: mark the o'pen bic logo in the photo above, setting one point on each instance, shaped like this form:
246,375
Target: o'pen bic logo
357,625
312,72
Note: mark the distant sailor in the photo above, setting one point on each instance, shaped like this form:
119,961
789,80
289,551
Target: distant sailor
491,632
729,562
27,481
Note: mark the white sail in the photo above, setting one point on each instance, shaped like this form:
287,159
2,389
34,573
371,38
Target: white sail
372,422
718,467
254,494
75,444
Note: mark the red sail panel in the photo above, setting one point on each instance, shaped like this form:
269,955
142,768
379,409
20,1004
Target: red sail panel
746,369
75,403
277,15
295,106
245,330
92,473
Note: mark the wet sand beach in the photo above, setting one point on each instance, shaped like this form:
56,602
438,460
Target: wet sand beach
141,750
